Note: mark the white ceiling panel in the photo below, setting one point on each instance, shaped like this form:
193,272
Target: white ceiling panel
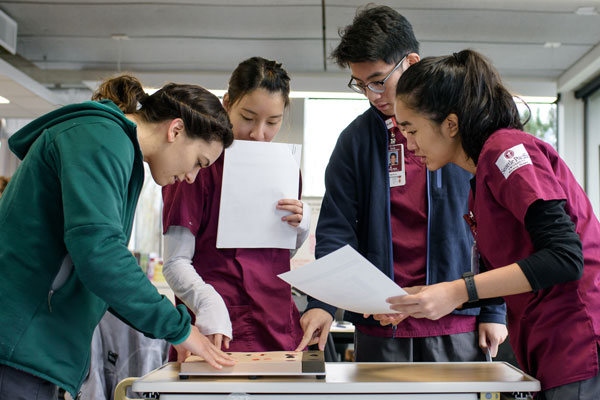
61,43
525,60
142,54
168,19
559,6
504,26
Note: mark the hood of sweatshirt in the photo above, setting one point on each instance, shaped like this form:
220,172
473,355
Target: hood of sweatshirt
20,142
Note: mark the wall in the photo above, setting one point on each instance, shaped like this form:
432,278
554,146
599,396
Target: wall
570,133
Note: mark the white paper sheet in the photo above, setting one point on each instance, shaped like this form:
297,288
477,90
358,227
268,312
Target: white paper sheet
256,175
346,280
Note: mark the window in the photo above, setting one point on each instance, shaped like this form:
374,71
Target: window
324,120
542,120
146,236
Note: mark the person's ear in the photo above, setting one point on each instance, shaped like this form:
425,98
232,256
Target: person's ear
413,58
451,124
176,128
226,102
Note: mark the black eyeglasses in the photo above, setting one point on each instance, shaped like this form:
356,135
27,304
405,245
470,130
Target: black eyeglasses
376,86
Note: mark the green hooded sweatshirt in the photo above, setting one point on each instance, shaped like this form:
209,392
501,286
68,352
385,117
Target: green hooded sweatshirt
74,195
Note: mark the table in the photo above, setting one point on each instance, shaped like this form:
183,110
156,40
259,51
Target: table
407,381
342,333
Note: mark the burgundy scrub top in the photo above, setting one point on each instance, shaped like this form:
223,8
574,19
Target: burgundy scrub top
553,331
262,312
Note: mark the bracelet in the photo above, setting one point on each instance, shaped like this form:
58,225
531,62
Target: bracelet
471,289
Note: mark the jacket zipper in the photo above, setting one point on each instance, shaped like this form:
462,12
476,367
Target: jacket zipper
50,293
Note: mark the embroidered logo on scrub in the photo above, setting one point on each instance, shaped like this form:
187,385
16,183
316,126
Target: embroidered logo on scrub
513,159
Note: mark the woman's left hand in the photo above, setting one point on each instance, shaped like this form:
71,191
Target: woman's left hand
432,302
219,340
293,206
388,319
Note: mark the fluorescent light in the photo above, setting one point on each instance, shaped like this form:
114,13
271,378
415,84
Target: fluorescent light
356,96
218,93
4,100
119,36
327,95
293,94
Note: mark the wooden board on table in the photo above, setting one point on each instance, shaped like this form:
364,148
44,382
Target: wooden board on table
266,363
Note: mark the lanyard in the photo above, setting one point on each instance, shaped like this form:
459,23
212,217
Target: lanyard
470,218
395,155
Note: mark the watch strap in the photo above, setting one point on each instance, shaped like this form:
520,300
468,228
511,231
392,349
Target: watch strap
471,289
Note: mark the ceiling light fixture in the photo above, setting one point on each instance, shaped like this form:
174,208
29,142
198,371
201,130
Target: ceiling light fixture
4,100
586,11
119,36
552,45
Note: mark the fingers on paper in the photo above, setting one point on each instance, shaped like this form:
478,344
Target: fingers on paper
295,207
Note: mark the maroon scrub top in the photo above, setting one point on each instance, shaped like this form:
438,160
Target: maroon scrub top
553,331
262,312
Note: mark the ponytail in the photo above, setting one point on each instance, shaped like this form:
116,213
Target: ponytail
125,91
465,84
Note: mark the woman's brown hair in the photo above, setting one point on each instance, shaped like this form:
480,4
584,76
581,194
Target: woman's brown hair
202,113
3,182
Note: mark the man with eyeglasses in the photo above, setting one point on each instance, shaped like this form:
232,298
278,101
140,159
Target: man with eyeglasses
405,220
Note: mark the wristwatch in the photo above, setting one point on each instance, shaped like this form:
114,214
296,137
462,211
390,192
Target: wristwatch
471,289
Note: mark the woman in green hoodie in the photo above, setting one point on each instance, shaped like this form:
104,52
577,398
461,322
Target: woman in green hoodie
66,219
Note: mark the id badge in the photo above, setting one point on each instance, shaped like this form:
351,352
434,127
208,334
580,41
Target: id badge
396,165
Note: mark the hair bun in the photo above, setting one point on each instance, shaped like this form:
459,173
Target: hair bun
125,91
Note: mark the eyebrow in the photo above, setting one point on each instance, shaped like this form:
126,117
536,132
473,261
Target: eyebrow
405,123
373,75
253,113
248,111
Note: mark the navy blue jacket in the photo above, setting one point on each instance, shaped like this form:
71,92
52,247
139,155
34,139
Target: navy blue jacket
356,211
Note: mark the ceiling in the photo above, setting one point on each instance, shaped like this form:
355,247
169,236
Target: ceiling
69,43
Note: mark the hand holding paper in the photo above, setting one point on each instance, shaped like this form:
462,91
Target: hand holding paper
256,175
346,280
293,206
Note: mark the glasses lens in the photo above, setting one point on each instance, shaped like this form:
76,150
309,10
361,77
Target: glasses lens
356,87
376,87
